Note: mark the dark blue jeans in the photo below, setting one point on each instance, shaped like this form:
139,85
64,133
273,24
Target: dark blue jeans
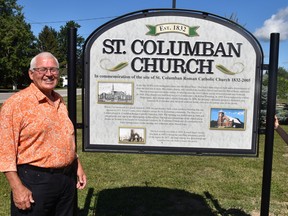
53,192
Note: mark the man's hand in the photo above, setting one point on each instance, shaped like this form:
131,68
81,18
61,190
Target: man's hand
81,176
22,196
276,123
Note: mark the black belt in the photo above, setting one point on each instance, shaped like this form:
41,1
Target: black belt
63,170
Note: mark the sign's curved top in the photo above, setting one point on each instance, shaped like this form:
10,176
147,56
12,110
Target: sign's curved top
175,12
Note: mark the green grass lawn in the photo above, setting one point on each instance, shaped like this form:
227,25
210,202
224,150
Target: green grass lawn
171,185
174,185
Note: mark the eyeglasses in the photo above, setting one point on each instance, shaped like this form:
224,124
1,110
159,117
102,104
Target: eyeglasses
44,70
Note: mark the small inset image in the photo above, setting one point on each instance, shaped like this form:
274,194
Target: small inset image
115,92
132,135
221,118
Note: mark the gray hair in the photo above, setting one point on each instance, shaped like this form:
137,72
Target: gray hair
45,55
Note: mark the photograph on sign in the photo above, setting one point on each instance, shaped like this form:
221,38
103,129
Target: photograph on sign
132,135
115,92
180,82
233,119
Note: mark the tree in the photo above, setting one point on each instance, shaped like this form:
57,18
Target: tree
282,72
282,96
63,49
233,17
263,107
282,83
17,44
47,41
57,43
282,88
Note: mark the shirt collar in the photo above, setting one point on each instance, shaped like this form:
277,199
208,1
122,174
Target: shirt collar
42,97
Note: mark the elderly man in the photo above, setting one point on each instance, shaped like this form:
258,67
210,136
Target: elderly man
37,145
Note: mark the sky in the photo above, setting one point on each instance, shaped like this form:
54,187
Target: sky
259,17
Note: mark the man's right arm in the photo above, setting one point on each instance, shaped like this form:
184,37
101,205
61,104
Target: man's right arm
22,196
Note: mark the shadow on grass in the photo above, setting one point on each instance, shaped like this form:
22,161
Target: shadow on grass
153,201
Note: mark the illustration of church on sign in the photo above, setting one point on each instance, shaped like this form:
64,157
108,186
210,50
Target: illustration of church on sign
224,121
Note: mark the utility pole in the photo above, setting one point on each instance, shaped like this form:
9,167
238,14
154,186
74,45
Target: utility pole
173,4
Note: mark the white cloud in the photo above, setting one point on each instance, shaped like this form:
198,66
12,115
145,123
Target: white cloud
278,23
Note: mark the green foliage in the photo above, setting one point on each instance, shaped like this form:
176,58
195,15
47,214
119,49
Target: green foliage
63,50
265,79
263,108
47,41
282,96
63,40
16,44
283,73
282,88
57,43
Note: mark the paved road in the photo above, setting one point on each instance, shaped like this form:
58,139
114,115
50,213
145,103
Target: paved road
63,92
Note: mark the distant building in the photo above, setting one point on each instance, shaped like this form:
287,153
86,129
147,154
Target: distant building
64,80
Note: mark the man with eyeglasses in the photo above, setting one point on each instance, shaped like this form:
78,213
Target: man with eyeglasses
37,146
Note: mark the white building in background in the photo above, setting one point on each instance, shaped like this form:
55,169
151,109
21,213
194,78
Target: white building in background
65,80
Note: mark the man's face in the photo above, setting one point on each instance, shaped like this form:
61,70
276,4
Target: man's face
45,81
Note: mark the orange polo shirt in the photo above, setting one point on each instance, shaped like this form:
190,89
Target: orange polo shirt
35,132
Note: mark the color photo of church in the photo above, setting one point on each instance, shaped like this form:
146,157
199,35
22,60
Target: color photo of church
115,92
227,118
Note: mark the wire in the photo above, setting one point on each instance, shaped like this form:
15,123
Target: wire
64,21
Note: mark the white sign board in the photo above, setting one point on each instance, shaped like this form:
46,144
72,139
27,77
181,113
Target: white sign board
172,82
